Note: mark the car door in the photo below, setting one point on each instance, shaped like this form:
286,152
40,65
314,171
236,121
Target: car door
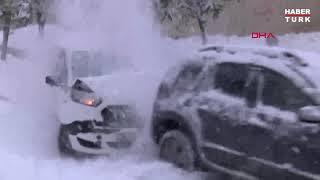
224,110
294,142
256,137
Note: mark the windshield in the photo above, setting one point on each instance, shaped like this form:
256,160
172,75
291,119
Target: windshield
80,64
97,63
88,64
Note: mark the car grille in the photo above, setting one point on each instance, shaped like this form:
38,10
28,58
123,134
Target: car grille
88,144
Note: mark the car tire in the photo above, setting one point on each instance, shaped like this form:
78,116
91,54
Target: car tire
64,145
177,148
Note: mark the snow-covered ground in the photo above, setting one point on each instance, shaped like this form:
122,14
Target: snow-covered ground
28,130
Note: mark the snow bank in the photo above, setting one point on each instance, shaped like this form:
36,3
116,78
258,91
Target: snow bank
127,168
27,123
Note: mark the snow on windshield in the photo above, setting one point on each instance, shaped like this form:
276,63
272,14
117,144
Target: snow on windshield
80,64
88,64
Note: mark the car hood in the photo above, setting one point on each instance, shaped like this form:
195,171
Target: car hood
124,87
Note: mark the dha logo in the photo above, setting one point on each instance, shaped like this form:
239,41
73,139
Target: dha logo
258,35
297,15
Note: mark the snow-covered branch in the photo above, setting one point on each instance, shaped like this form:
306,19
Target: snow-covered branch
184,15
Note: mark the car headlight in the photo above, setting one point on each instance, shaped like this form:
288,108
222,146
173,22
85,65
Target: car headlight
89,101
82,94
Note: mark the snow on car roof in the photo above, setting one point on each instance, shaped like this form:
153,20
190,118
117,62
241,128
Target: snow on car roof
301,67
270,52
312,71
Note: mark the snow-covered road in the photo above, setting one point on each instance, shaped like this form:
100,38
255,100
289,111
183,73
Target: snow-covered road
15,167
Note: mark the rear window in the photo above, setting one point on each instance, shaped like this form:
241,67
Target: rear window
96,63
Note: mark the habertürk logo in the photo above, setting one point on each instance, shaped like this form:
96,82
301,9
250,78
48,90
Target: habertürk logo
297,15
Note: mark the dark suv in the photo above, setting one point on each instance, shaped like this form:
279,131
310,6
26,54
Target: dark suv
247,112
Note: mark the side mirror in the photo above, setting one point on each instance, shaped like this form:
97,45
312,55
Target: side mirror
309,114
52,81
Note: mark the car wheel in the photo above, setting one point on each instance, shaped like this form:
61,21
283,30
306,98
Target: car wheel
64,145
62,140
177,148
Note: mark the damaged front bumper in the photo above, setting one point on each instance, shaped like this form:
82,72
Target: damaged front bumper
87,138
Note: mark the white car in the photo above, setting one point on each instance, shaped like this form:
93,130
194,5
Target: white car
95,118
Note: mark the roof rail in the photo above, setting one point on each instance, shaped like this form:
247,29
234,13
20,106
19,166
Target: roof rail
286,55
212,48
295,59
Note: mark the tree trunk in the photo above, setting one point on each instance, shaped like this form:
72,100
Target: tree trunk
41,29
41,20
6,31
201,24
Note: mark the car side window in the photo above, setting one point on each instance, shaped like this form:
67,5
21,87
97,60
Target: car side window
231,78
281,92
187,77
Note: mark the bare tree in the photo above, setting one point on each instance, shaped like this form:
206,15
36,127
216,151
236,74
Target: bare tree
186,12
40,10
6,15
198,9
11,13
6,31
